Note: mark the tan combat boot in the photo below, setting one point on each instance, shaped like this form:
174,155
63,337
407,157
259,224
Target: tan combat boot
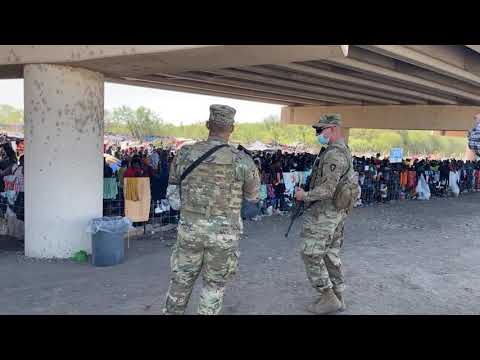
328,303
340,298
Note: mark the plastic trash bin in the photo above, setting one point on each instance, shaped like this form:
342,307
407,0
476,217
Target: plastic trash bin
108,246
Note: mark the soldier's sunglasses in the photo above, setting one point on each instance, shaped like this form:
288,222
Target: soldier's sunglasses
320,130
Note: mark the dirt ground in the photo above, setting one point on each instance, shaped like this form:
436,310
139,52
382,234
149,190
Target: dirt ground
402,258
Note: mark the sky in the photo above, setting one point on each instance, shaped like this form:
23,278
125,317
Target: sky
173,107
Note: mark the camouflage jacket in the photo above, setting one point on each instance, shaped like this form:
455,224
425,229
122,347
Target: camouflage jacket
327,170
218,185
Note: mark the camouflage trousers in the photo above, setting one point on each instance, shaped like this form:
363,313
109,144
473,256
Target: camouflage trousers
198,248
322,239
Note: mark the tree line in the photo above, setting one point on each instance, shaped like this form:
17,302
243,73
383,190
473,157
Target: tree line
143,122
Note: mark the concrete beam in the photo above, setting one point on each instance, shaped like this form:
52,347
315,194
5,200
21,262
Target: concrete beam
283,93
396,117
364,82
175,62
419,72
336,96
162,86
32,54
364,66
293,72
221,81
134,60
474,47
429,59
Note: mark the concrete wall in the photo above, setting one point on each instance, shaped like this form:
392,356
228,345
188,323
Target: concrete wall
395,117
63,158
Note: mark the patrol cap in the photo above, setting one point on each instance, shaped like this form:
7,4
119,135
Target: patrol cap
222,114
328,120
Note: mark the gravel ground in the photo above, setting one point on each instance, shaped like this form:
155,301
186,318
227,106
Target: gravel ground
402,258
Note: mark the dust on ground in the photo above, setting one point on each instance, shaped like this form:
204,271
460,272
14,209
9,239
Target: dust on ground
410,257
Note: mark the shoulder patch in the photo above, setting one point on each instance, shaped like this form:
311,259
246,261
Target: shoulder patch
333,167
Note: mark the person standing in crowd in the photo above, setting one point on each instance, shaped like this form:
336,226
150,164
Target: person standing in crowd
9,160
210,224
135,169
18,173
154,159
322,232
121,172
107,170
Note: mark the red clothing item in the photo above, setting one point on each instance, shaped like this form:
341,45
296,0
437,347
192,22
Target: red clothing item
412,179
134,172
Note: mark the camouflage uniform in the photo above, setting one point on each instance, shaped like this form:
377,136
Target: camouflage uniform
322,231
210,224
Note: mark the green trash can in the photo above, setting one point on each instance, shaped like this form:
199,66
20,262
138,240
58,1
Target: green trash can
108,233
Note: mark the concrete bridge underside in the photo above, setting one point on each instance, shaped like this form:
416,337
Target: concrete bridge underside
430,87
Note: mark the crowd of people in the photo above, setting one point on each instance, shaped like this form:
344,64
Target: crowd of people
380,181
137,162
12,195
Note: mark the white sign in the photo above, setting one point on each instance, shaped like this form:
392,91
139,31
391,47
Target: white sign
396,155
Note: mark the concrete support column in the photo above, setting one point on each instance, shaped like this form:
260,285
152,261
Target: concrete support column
63,158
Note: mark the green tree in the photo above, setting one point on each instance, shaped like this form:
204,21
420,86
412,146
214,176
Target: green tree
10,115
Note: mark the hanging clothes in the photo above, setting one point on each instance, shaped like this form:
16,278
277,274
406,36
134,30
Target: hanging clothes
270,191
477,177
263,192
411,179
131,188
289,181
19,206
403,179
139,210
9,182
11,196
110,188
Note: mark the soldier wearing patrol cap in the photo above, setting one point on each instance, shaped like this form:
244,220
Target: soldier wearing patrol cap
322,230
210,223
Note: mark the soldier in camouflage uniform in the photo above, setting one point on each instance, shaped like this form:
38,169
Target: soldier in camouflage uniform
322,231
210,224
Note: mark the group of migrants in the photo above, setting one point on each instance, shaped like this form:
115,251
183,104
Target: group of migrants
379,180
382,181
213,179
137,162
12,192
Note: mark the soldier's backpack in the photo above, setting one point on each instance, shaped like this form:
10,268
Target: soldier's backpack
174,190
347,191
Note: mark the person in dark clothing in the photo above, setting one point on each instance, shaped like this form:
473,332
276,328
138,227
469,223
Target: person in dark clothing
9,159
107,170
279,189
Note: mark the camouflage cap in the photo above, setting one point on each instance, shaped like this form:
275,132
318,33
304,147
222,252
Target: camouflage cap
328,119
222,114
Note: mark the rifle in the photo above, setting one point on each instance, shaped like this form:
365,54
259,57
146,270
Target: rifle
297,212
299,209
